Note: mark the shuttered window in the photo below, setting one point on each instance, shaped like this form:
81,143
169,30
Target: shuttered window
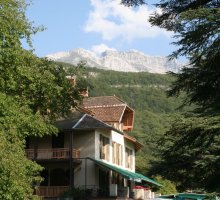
128,158
104,147
117,153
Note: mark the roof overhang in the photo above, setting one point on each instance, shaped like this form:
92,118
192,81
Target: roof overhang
137,144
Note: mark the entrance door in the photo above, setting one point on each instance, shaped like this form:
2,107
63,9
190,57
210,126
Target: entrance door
103,183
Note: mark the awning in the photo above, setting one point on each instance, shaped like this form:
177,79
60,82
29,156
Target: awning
144,178
125,173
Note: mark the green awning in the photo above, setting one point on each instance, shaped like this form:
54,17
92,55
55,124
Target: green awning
125,173
144,178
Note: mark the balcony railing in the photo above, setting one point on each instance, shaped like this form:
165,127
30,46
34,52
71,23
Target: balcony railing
44,154
51,191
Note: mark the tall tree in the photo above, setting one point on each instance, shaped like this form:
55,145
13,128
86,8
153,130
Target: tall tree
190,153
192,144
38,82
17,173
33,93
196,26
191,149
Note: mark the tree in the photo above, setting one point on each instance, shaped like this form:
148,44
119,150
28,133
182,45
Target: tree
191,153
33,93
40,83
169,187
196,27
17,173
191,150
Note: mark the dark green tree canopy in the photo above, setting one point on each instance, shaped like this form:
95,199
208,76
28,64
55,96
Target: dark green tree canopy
190,152
196,25
172,10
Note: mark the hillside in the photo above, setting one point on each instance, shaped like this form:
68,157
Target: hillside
146,93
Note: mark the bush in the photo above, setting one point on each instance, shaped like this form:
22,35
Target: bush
168,186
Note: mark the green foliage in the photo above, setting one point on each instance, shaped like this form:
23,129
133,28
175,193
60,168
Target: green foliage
169,187
191,153
17,173
191,145
38,82
196,26
33,93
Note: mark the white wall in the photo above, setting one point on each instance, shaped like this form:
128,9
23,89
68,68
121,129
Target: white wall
118,138
84,141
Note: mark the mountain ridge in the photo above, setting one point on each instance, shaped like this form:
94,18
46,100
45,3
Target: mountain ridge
130,61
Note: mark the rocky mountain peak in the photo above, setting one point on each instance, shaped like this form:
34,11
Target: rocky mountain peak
131,61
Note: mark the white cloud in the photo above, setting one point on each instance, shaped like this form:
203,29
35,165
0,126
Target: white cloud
98,49
113,20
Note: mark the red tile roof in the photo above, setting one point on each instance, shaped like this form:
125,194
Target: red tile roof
108,114
106,108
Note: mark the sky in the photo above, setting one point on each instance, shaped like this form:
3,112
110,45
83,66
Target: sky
96,25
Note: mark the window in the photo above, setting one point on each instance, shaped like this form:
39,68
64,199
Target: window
128,158
116,153
104,147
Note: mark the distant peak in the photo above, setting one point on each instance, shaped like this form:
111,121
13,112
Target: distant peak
127,61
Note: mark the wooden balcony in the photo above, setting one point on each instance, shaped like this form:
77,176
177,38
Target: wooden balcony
47,154
51,191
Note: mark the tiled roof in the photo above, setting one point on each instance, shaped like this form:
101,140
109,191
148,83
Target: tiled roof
106,108
102,101
108,114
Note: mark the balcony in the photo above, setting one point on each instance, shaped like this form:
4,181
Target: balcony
47,154
51,191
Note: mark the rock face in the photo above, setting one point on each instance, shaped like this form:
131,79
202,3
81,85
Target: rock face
131,61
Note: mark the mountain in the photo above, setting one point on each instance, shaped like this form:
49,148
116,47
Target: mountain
131,61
